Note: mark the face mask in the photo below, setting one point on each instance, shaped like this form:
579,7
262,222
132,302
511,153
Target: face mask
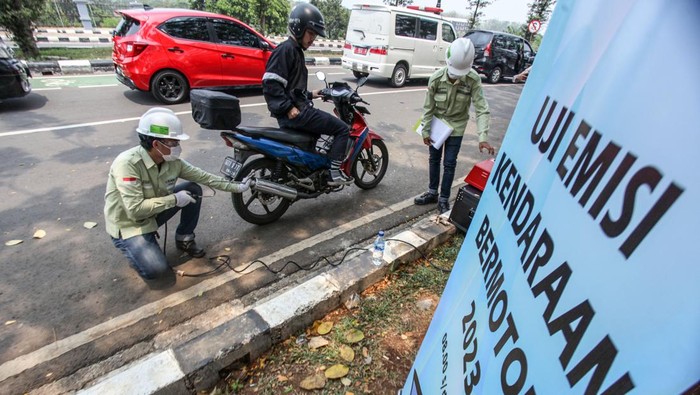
174,154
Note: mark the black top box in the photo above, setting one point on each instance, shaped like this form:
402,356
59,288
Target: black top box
215,109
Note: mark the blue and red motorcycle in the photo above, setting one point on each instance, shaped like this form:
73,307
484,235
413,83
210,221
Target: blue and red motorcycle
293,164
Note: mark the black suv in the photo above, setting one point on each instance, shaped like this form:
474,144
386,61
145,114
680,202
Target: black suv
500,54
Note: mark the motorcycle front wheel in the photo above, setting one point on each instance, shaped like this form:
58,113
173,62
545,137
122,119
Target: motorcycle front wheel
369,167
256,207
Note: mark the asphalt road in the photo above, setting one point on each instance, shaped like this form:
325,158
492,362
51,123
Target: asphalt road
57,145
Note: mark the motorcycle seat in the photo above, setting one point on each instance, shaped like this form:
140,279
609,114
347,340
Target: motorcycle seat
286,135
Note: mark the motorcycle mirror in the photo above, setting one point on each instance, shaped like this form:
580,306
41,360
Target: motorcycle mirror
321,75
361,82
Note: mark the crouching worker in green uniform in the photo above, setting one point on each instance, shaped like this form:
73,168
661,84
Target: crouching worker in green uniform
142,194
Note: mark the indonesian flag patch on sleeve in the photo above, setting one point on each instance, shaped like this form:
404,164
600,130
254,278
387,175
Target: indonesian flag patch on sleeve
129,179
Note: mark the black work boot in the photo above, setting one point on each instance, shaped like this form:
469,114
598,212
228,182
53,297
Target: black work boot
190,247
426,198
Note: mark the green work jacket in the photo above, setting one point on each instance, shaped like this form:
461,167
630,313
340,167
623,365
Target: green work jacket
137,190
450,102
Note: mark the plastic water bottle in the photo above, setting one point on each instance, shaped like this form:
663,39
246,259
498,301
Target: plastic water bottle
378,250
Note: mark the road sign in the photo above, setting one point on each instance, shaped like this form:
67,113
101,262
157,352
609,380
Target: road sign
534,26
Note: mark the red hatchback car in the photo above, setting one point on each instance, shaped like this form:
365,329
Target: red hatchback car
170,51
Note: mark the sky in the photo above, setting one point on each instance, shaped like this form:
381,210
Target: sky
504,10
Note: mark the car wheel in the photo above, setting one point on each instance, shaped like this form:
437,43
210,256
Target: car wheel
170,87
495,75
359,74
398,77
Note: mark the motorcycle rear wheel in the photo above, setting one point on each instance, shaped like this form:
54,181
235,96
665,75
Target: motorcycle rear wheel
370,166
259,208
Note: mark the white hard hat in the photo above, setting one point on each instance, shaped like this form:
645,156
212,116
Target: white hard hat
460,56
161,123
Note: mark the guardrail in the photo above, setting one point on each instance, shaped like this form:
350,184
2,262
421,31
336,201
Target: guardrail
45,36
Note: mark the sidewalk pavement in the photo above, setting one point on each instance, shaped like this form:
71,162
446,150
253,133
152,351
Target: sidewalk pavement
188,357
66,67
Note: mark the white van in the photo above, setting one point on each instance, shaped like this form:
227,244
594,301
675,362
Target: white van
397,43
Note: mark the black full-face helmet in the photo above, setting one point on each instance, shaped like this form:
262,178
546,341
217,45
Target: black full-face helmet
306,16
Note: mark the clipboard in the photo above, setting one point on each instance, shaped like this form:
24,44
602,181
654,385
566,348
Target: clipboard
439,131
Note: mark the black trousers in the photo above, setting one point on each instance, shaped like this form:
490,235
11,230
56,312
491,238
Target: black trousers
317,122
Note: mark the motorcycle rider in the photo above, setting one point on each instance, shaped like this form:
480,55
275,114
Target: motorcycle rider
285,88
142,195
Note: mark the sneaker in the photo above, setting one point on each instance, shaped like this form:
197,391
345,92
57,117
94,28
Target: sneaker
191,248
426,198
339,178
443,207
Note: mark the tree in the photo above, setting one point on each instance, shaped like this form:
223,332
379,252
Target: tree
17,17
267,16
336,17
478,7
539,10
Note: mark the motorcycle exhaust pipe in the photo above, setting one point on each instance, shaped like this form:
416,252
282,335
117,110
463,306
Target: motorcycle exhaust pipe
274,188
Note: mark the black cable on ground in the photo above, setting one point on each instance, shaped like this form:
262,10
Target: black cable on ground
225,260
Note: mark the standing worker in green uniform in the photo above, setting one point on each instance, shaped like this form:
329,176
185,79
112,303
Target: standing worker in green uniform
451,91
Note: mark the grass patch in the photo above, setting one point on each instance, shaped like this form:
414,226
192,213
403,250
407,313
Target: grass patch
388,316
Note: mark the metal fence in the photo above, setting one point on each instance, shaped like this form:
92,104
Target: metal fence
64,13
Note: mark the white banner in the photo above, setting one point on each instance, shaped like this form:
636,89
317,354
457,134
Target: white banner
579,272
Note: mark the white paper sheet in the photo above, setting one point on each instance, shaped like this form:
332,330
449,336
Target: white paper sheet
439,132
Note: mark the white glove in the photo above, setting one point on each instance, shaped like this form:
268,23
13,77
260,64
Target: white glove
242,186
183,198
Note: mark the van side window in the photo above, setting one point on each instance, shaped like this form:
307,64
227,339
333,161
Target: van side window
448,34
499,41
428,30
405,26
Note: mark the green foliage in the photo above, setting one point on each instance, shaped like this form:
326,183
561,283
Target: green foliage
17,17
269,17
336,17
539,10
476,8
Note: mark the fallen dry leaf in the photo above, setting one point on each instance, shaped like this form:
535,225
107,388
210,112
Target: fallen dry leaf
317,342
347,353
336,371
89,225
346,382
354,336
282,378
324,328
40,233
315,382
13,242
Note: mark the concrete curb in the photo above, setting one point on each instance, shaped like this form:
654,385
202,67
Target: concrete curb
67,67
191,360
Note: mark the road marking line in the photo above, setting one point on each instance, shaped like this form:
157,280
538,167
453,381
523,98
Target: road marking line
97,86
97,123
45,89
60,347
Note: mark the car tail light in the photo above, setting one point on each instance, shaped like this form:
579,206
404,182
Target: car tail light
347,45
134,48
378,50
487,50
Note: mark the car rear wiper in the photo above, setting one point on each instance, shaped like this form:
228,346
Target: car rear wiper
360,31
